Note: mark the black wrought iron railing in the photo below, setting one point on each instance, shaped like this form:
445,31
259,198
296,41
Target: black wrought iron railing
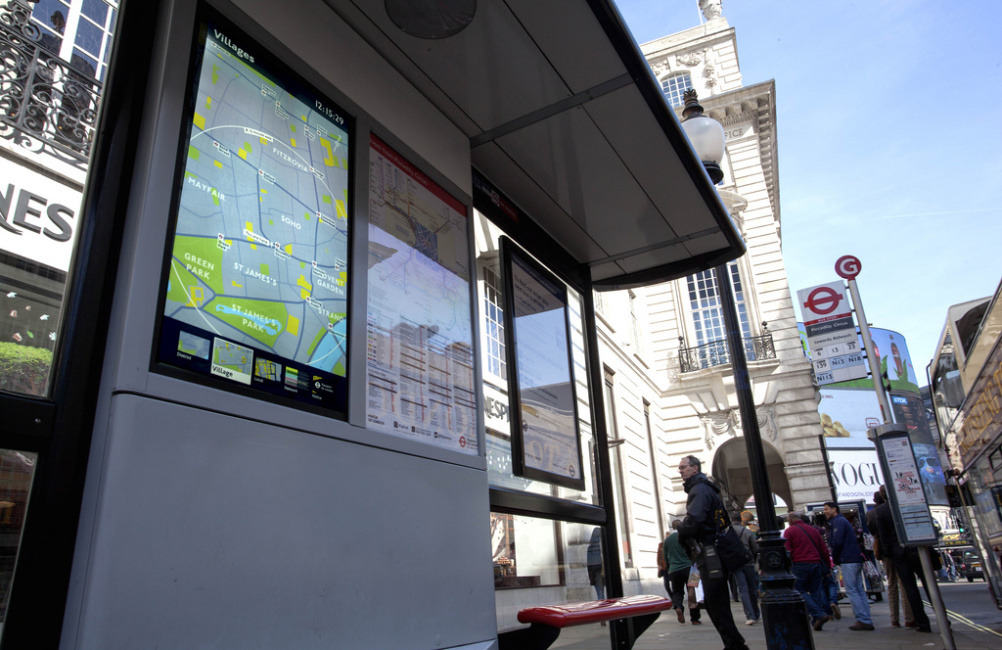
715,353
45,103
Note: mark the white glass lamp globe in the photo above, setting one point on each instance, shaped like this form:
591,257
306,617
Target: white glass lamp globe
706,136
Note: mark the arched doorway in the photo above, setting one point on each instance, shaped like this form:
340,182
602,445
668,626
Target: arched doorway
730,469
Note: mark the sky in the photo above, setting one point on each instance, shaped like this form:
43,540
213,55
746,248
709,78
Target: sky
889,123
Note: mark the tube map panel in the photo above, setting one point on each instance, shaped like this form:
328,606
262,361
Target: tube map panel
256,289
419,348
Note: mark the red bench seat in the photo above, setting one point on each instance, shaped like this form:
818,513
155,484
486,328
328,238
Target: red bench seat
593,611
638,612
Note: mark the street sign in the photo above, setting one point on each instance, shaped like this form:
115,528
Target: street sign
824,303
823,300
831,334
848,267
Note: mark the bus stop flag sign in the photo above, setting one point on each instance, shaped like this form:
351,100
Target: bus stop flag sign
831,333
848,267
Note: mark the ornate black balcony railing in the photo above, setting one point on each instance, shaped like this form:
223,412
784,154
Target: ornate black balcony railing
715,353
45,103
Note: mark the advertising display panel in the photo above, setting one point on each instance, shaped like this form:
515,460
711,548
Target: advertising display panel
419,348
847,414
254,289
546,444
849,409
855,473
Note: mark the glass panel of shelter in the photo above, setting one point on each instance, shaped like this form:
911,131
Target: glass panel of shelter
44,163
490,297
542,562
46,132
537,561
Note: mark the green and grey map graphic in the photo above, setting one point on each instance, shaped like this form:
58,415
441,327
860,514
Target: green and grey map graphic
232,360
261,244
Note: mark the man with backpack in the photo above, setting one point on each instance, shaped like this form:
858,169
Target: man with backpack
698,533
747,576
847,554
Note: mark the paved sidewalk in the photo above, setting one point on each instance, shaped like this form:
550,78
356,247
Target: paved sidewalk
668,634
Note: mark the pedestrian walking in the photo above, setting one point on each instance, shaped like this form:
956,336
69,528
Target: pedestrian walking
849,558
829,584
810,559
895,590
697,532
678,568
747,576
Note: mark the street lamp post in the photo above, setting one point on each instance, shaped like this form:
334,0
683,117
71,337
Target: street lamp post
784,612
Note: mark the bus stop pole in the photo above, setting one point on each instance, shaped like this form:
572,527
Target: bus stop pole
871,355
945,630
888,414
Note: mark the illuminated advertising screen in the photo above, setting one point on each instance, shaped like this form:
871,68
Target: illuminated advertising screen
546,444
419,335
255,285
849,409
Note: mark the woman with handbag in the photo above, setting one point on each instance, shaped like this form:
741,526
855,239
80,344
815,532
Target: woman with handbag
678,575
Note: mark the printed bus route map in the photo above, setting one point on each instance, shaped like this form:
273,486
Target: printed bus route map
260,255
419,348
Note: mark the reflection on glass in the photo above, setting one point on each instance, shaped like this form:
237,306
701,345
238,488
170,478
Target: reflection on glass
496,406
542,562
419,350
30,298
549,446
96,10
17,469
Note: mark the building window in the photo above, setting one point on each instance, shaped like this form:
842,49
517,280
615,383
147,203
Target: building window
79,31
616,462
600,303
636,337
494,324
674,86
655,476
704,300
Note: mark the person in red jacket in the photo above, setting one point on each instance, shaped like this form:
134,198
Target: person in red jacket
810,558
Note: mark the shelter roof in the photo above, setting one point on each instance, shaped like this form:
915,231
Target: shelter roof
563,113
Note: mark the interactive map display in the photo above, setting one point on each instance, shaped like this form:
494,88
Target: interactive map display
256,284
419,348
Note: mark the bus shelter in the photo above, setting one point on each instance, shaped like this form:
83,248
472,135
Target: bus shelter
309,231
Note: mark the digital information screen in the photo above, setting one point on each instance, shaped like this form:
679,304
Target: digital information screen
256,283
544,430
419,347
914,523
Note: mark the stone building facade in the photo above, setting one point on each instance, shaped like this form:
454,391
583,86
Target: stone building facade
669,385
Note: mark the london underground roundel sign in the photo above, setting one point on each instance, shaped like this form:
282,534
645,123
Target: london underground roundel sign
848,267
823,300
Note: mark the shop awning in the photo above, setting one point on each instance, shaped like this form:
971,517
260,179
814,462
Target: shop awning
564,114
